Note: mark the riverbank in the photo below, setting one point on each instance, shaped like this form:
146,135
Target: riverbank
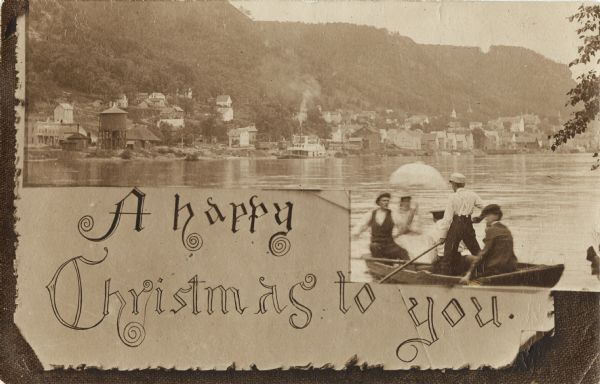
157,153
216,152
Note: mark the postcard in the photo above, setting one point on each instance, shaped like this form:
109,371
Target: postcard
260,185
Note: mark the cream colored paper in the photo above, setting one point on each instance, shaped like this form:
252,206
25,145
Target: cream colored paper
317,317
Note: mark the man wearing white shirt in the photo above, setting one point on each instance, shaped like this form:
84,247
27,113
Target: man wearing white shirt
457,226
385,225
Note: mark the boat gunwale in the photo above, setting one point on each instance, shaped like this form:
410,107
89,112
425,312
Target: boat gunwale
488,281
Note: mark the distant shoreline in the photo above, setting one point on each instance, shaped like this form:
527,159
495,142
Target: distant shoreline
36,154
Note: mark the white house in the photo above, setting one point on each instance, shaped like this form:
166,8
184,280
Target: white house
122,101
224,101
440,140
242,137
63,113
332,117
475,124
341,134
226,114
224,107
517,125
451,141
157,99
461,142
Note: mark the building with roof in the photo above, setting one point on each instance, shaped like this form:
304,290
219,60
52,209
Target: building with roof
113,126
462,143
63,113
156,100
75,142
404,139
441,140
52,134
492,140
451,141
371,140
527,141
429,142
242,137
332,117
512,124
224,101
174,112
475,125
122,101
141,96
224,107
140,137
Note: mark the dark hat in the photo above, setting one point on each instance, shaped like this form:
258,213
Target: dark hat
488,209
381,196
438,214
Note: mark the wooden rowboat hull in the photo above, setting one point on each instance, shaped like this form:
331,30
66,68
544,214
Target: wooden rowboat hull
531,275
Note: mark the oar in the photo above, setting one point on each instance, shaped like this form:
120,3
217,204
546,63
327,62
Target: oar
389,275
380,259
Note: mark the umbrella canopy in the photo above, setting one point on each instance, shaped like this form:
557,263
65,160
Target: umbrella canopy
418,175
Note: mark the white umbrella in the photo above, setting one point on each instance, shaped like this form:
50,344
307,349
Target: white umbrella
418,175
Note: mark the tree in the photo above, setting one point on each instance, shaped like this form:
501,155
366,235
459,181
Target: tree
166,130
209,127
586,91
273,121
316,123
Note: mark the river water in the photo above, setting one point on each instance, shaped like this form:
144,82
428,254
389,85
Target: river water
550,201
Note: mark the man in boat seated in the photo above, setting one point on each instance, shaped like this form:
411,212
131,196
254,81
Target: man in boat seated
456,226
385,226
497,256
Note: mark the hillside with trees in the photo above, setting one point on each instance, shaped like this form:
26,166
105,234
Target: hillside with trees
106,48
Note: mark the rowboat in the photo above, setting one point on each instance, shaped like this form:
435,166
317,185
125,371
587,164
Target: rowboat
531,275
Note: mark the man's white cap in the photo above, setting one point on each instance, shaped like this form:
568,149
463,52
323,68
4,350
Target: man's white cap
458,178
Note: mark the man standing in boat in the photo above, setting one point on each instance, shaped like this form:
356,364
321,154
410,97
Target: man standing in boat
457,226
497,256
385,225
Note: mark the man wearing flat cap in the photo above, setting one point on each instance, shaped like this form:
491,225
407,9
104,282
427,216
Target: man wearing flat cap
497,256
385,226
457,226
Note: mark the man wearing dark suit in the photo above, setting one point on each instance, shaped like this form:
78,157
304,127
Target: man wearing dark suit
497,256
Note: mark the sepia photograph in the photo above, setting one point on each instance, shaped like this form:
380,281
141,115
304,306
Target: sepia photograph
222,185
393,242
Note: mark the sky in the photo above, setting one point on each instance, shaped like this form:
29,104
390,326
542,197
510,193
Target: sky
542,27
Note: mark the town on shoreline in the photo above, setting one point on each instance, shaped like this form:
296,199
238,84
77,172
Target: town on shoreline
158,126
